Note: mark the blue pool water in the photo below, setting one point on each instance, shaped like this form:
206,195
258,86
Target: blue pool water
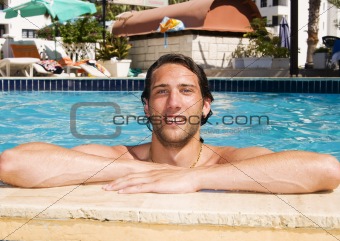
276,121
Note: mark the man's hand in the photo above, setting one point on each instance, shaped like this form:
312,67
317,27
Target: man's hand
169,179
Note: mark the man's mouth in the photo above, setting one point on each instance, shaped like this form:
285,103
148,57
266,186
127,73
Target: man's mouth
179,120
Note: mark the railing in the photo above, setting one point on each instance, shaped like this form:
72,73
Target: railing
46,49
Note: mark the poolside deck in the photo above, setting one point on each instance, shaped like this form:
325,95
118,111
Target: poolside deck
89,213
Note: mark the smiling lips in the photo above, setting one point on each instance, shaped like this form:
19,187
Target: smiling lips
178,120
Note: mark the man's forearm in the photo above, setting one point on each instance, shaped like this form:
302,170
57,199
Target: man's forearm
284,172
57,166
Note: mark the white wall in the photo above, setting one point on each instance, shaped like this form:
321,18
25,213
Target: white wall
328,13
208,51
14,26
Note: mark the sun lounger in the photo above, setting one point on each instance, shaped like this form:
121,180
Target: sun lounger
56,52
30,51
23,65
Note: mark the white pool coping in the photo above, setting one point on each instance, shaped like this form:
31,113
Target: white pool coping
318,211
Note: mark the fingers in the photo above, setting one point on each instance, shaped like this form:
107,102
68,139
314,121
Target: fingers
133,180
156,181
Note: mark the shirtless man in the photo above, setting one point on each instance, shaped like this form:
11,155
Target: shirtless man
176,160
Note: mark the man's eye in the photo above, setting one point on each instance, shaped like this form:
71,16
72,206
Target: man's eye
186,90
161,91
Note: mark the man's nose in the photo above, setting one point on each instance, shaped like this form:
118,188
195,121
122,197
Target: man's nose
174,100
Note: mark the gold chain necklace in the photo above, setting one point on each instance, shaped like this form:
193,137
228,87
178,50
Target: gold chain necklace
193,164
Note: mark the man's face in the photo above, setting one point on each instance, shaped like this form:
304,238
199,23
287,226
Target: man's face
175,105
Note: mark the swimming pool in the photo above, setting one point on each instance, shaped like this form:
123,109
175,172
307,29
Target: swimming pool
276,121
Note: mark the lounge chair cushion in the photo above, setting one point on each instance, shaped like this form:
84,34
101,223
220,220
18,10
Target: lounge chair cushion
20,51
51,66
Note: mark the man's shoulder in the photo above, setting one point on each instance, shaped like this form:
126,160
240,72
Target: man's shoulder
233,154
137,152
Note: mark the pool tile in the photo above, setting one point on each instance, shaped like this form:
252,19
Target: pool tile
317,86
329,88
106,84
227,85
223,85
118,85
10,85
82,85
264,86
282,86
299,87
311,86
141,84
271,86
97,84
17,84
41,85
257,85
59,85
29,85
293,86
129,85
240,85
135,85
88,85
65,85
246,85
211,84
76,84
234,86
125,85
35,85
336,85
252,85
112,85
53,85
323,86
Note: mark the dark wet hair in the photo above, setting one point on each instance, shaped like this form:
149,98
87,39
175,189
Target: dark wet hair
189,64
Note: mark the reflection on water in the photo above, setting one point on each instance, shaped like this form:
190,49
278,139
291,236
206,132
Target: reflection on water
295,121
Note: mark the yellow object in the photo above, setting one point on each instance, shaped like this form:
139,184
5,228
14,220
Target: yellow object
169,24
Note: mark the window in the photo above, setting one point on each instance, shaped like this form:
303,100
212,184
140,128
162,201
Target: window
28,33
263,3
2,30
2,5
280,3
275,20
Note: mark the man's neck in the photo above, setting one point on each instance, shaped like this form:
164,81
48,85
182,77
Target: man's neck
185,156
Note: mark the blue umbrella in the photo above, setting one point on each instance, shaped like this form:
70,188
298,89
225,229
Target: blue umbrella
62,10
284,34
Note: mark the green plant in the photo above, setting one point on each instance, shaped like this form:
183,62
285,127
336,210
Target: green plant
45,33
322,49
261,43
278,51
114,46
83,30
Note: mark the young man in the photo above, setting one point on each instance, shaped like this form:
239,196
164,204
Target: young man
176,160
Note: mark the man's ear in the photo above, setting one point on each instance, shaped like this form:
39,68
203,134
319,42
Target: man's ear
146,108
206,106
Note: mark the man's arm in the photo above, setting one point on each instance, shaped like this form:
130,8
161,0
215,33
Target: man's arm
47,165
282,172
